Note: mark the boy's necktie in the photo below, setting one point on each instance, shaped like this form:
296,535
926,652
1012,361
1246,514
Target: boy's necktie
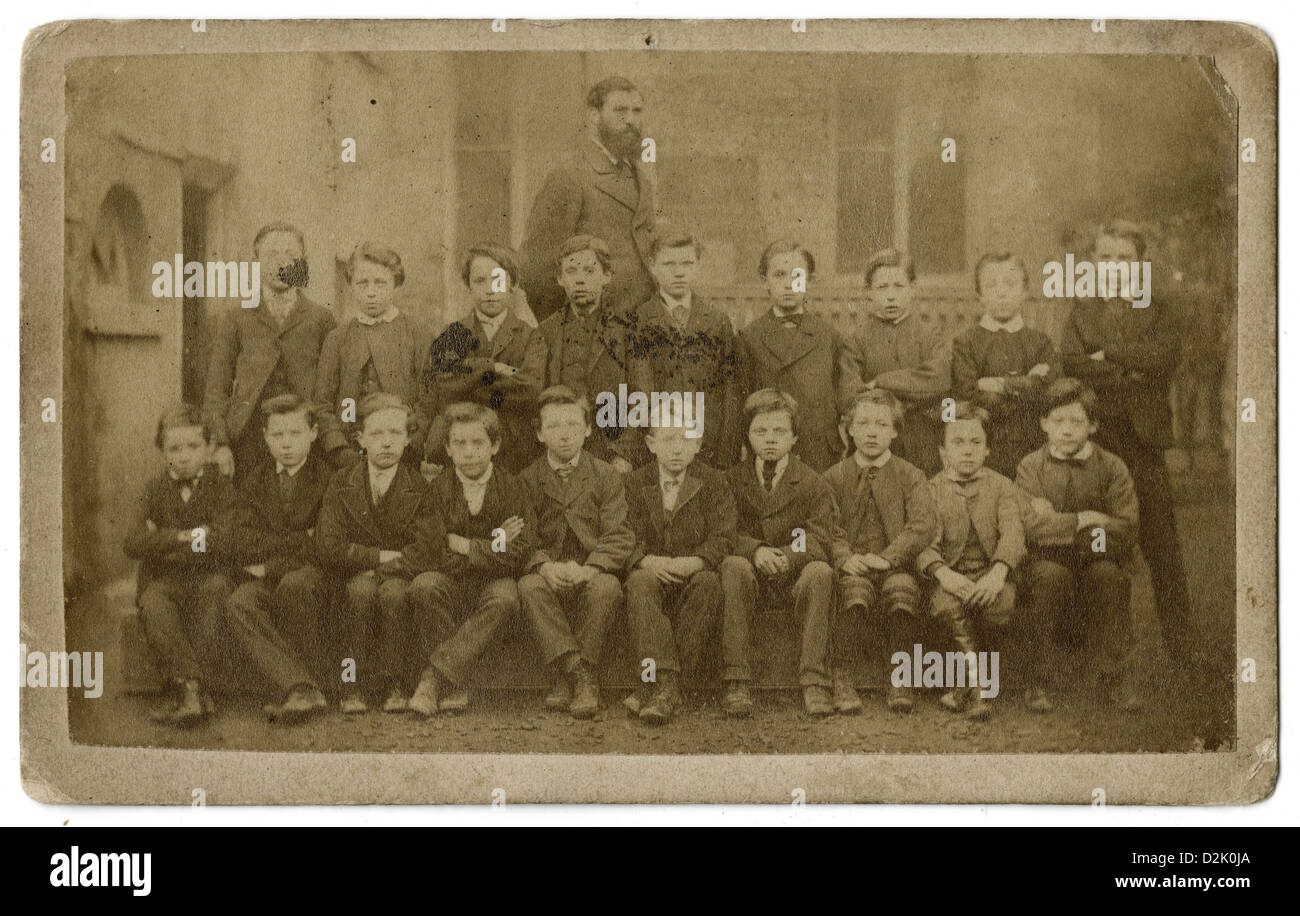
769,475
286,485
563,471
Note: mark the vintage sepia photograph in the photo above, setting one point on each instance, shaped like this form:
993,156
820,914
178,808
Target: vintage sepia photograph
708,393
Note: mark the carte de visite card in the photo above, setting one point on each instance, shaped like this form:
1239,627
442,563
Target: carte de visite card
514,411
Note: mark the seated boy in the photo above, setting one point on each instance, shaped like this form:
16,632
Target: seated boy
490,536
182,585
884,519
572,590
379,528
1002,365
274,616
1082,524
684,520
785,525
980,540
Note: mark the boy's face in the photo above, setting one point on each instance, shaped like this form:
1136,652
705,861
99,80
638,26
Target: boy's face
277,251
890,292
372,287
562,429
964,447
583,278
471,449
185,450
780,279
1002,289
489,286
674,270
1115,248
384,436
872,429
289,437
672,448
771,435
1068,428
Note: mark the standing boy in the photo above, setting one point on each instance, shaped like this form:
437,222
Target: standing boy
379,527
684,521
795,351
182,586
884,519
1082,524
490,357
785,526
1001,364
491,533
275,616
572,590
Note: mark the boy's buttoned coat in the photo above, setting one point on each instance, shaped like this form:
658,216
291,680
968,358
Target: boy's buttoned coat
591,504
350,531
995,511
702,523
905,502
801,499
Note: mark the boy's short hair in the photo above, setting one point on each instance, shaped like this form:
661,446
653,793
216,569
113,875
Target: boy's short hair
505,258
875,396
675,238
965,410
785,246
283,404
384,400
1066,391
598,93
178,415
888,257
1000,257
279,226
376,254
1122,229
561,394
769,400
469,412
578,243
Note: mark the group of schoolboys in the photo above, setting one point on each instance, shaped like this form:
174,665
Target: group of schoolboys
332,562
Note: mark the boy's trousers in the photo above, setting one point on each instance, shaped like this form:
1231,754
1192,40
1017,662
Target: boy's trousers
278,629
182,621
813,595
375,629
1096,590
889,592
457,620
592,606
673,624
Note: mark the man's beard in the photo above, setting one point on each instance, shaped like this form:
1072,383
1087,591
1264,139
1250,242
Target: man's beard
624,144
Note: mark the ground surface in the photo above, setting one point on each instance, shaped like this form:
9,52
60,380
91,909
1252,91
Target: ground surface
513,721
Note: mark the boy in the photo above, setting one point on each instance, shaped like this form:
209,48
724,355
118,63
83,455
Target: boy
891,348
491,533
260,352
584,540
1082,523
586,343
682,344
1128,355
684,521
382,349
796,351
979,542
491,357
182,587
884,518
776,496
274,616
1002,365
379,527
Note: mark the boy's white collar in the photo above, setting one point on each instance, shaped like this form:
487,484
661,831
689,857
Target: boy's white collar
989,323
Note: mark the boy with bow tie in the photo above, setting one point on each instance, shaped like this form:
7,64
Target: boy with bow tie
182,584
785,524
572,591
1082,523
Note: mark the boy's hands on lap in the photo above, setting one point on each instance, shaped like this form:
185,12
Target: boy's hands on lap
388,556
862,563
770,561
985,589
513,527
955,583
659,566
457,543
